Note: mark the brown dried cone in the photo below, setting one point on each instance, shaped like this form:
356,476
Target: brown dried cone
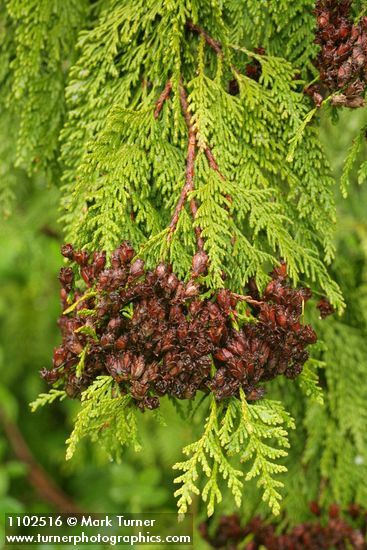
342,60
170,340
325,308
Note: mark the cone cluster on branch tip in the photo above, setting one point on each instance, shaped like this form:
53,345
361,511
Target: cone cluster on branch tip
342,60
156,335
335,533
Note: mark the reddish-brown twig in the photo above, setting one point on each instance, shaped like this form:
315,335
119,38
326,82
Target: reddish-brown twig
162,98
189,180
190,160
212,162
193,205
247,299
214,44
41,481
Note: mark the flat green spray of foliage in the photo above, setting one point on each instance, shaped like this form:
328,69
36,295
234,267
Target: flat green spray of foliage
255,432
88,77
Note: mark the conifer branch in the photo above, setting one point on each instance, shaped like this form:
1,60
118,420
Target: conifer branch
214,44
162,98
123,178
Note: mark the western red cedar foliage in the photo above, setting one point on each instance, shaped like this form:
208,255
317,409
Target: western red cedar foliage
184,129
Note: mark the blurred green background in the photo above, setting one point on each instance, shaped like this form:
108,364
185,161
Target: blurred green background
29,307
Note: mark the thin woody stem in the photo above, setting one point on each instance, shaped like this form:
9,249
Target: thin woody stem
190,159
208,152
191,151
248,299
214,44
189,180
162,98
212,162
